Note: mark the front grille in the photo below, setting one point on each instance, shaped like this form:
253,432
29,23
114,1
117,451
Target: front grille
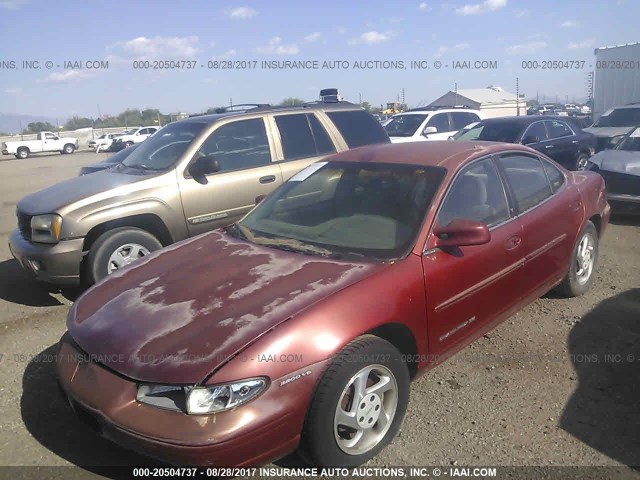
24,224
621,183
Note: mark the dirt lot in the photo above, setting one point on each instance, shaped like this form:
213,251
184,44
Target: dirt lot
557,384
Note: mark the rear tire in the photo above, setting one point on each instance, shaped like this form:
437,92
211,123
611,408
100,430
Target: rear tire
128,144
69,148
358,405
584,260
22,153
117,248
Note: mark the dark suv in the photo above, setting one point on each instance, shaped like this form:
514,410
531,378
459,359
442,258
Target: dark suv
190,177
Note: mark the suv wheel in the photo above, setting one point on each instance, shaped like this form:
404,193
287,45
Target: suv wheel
581,162
117,248
358,405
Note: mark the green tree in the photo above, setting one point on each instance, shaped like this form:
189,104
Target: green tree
76,122
291,102
366,106
37,127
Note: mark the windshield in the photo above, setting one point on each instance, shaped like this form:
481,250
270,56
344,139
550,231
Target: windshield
404,125
345,209
631,142
162,150
619,117
491,132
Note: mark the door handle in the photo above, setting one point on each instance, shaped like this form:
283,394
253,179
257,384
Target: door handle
548,146
575,142
513,242
268,179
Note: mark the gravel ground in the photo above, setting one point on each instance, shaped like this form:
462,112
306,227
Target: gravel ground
558,384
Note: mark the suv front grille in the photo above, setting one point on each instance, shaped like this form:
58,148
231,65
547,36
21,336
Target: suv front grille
24,224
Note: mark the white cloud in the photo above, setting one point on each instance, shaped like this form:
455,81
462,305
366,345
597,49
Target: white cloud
228,53
275,47
424,7
521,13
484,7
526,48
241,13
12,4
371,38
442,50
145,48
569,24
313,37
584,44
66,77
13,91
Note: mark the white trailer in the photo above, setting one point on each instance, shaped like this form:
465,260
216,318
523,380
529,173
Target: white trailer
617,77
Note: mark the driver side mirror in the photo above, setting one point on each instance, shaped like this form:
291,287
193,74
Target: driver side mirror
462,232
204,166
428,130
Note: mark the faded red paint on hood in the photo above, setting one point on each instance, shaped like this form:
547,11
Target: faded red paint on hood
182,312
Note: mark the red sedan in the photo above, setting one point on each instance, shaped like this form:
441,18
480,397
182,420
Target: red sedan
300,326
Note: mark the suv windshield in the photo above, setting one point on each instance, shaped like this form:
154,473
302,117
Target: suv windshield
631,142
345,209
619,117
491,132
162,150
404,125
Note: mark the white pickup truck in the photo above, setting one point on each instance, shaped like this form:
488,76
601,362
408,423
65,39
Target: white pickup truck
45,142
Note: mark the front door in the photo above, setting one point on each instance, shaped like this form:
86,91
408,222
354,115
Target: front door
468,287
246,171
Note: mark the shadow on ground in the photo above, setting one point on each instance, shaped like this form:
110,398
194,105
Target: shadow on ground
604,411
16,286
50,420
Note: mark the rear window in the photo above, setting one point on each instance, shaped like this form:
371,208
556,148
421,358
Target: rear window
358,128
303,136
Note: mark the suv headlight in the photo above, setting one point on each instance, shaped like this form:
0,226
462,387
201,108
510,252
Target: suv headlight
46,228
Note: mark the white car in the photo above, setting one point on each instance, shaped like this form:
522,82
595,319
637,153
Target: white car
430,124
44,142
103,142
135,135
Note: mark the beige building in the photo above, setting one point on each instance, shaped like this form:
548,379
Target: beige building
493,101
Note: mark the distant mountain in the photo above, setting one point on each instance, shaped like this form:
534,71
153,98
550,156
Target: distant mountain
10,122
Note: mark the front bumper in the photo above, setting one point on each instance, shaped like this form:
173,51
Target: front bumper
263,430
58,263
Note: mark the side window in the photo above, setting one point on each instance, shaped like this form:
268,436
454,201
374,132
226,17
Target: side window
527,179
238,145
534,133
440,121
324,145
152,130
301,137
358,128
476,194
462,119
556,178
50,136
142,131
558,129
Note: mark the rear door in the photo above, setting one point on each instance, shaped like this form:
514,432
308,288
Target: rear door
462,119
468,287
550,211
245,154
303,139
565,144
442,122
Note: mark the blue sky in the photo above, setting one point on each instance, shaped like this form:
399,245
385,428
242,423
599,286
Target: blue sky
505,31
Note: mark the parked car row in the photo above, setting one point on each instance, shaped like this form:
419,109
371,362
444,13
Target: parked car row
359,262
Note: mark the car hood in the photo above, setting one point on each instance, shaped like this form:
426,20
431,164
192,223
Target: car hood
405,139
182,312
97,167
60,195
621,161
608,132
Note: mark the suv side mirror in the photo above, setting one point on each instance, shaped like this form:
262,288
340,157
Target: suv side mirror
428,130
462,232
204,166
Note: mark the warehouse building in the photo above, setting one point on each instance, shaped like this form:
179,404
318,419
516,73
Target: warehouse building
493,101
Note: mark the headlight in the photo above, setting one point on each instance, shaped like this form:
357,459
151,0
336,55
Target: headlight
217,398
46,228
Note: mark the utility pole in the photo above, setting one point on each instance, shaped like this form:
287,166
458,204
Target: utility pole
518,97
158,114
403,101
360,99
455,92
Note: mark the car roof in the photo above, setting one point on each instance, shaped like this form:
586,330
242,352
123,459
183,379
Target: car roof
449,154
214,117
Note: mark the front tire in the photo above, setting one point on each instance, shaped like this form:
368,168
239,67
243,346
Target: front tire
117,248
581,162
358,405
69,149
584,260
